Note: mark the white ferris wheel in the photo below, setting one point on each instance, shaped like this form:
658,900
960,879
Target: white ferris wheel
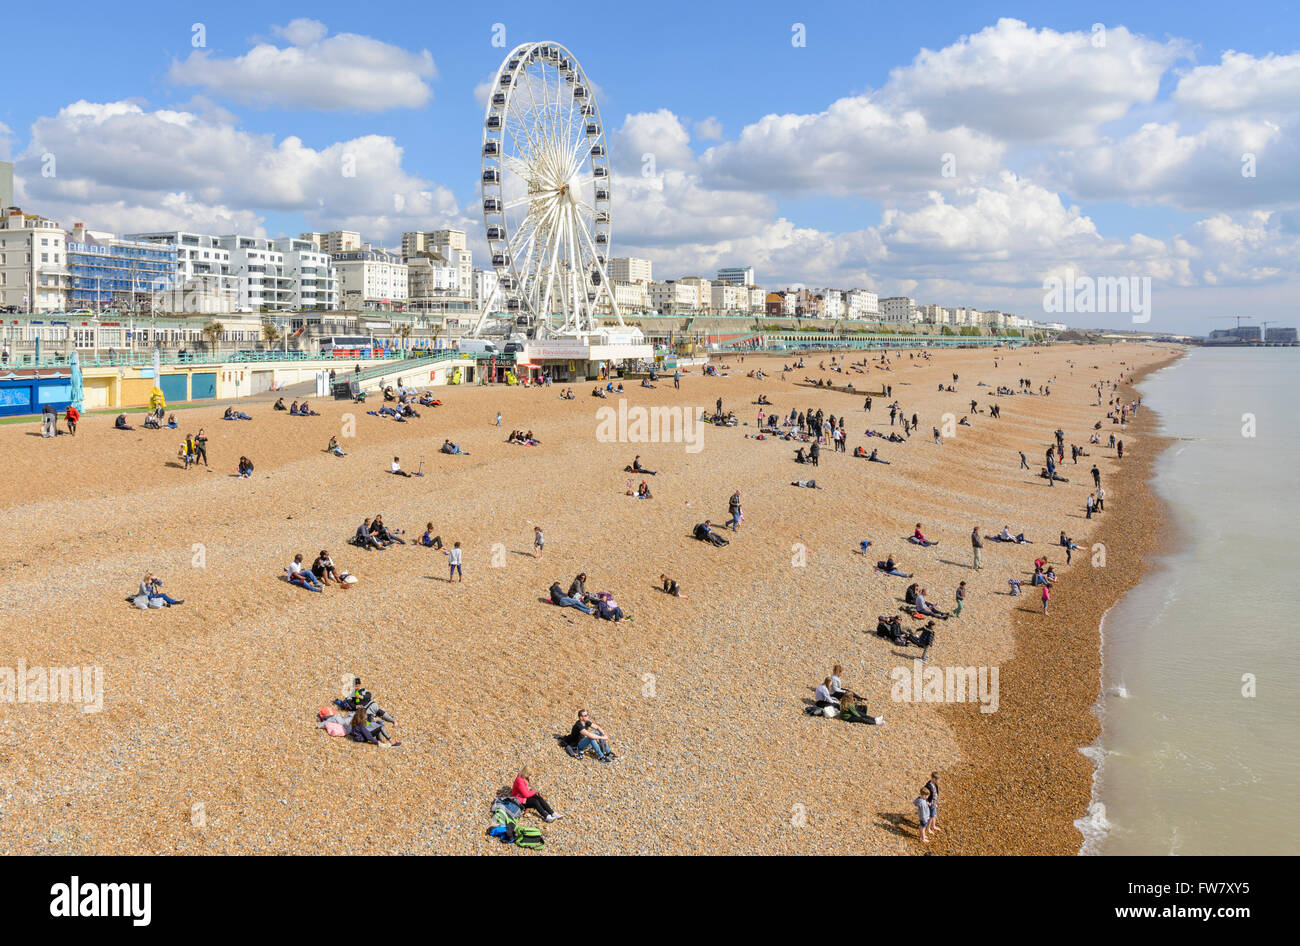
546,185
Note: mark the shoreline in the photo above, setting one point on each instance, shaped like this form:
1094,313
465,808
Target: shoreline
1043,730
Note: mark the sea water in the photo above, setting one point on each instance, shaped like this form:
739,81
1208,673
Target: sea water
1200,705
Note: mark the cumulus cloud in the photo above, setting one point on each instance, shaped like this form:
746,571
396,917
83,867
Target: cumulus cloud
1231,163
1241,81
198,166
1025,85
859,146
344,71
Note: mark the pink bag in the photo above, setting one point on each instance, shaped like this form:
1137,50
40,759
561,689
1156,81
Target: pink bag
334,728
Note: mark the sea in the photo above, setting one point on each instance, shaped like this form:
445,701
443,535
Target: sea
1199,750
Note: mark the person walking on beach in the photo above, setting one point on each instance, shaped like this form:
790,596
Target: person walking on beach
961,599
922,804
1092,502
733,506
1047,596
1101,499
1096,476
498,418
1024,464
1119,449
539,541
976,543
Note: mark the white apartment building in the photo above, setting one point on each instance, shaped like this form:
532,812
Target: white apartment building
315,281
431,280
832,303
934,314
204,280
483,282
264,281
728,298
737,275
451,245
631,297
33,263
372,279
673,297
861,304
992,319
629,269
757,300
898,309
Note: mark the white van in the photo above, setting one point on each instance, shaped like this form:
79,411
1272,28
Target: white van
477,346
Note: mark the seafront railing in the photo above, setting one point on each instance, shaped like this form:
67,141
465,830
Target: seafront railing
144,359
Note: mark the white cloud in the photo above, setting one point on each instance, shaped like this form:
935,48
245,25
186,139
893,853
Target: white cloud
182,164
708,129
858,146
1025,85
344,71
1241,81
1232,163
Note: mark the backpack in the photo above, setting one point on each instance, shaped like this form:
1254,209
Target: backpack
506,807
529,836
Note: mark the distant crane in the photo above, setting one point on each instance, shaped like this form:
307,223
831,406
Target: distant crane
1237,317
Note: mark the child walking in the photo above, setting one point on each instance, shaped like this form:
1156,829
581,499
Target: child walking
961,599
453,563
539,541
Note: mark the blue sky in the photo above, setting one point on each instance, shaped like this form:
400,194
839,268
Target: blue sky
868,218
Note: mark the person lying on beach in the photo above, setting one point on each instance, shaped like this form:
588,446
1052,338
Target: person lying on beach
636,467
558,597
671,587
1053,475
245,468
279,405
232,414
1006,536
807,484
449,447
647,384
334,447
643,491
428,400
918,538
889,567
365,539
301,576
396,469
704,532
429,540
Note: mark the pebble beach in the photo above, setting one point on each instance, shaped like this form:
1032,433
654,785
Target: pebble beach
207,743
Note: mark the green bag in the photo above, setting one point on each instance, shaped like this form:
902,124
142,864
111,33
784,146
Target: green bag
529,835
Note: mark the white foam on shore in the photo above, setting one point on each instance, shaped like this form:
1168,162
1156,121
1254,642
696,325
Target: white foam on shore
1094,826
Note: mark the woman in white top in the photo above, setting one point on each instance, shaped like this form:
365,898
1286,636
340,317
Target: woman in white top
823,695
